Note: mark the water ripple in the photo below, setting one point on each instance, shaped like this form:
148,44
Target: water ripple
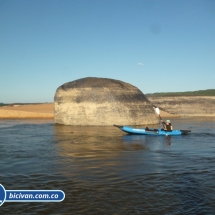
105,171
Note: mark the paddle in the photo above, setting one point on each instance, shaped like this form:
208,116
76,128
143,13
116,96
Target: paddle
157,110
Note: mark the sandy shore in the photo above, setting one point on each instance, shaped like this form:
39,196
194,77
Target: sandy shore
40,111
164,114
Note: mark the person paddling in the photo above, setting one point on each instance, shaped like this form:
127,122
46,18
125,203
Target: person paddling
167,125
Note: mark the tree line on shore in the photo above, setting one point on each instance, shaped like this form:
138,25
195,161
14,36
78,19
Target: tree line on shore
209,92
13,104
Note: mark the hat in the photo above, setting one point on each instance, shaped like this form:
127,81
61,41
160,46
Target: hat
167,120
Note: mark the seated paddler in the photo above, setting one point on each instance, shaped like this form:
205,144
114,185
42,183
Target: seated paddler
167,125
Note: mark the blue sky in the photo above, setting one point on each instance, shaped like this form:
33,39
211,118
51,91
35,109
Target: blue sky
155,45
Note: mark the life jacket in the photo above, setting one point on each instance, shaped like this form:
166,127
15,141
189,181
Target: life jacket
168,127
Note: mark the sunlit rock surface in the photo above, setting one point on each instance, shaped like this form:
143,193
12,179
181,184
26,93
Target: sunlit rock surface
186,105
102,101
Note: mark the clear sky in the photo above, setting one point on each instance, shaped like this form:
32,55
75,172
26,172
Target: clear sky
155,45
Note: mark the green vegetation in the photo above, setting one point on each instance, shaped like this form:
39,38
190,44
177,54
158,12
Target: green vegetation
209,92
2,104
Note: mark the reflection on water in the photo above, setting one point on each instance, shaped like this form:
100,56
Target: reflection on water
92,141
94,151
102,170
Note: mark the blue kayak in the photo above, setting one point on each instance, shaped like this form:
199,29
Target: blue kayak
148,131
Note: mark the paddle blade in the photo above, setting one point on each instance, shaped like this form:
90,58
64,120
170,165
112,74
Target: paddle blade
157,110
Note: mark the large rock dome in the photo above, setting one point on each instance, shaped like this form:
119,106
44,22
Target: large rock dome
102,101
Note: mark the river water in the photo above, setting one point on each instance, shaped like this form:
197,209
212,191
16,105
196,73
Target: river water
104,171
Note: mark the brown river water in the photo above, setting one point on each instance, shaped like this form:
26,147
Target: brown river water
104,171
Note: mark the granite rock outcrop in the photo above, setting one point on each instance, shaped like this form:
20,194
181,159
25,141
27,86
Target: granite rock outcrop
102,102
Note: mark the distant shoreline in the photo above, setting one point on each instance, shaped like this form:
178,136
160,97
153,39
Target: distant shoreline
40,111
171,107
186,106
32,111
208,92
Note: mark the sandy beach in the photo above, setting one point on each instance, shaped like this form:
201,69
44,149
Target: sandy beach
164,114
39,111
